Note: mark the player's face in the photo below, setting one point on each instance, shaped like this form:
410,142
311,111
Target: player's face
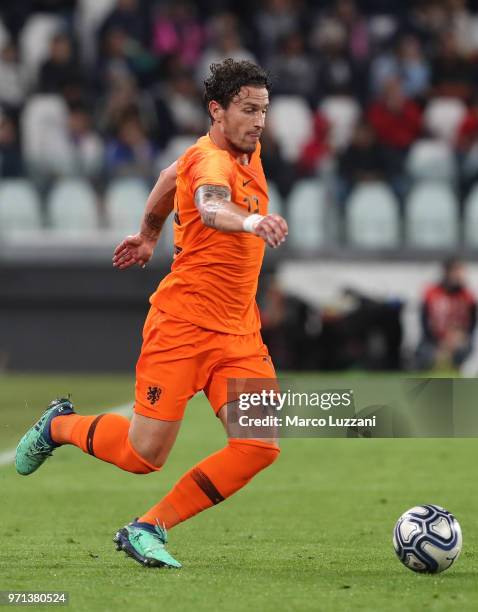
243,120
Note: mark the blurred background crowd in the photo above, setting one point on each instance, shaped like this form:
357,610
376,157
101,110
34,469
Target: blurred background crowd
370,150
373,89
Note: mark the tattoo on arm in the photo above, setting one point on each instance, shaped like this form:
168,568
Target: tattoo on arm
154,224
209,199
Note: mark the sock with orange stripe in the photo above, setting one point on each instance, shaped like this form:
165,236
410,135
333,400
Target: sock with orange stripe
212,480
104,436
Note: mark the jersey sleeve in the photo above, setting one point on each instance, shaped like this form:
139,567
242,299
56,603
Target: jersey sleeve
211,168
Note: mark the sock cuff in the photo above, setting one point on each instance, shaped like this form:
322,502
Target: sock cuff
153,468
257,443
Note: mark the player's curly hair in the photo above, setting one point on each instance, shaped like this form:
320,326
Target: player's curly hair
227,78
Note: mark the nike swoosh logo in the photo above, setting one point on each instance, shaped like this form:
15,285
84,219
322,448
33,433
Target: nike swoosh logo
244,183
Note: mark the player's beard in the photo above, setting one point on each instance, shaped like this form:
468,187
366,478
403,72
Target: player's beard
243,146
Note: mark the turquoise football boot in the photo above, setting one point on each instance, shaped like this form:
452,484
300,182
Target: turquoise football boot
145,543
37,444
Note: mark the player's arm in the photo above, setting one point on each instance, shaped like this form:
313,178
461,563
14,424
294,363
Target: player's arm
138,249
218,212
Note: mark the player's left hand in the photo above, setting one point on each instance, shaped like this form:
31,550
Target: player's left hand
134,250
272,229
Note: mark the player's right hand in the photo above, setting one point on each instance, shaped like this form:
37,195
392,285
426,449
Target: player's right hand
272,229
134,250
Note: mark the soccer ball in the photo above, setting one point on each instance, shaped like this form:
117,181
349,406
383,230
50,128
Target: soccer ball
427,539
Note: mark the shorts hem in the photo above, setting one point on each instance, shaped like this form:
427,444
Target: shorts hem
155,414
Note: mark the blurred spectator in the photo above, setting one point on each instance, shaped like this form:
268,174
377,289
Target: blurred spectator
131,153
395,118
131,17
356,27
225,42
467,148
360,331
274,21
183,102
284,328
178,31
427,19
276,168
113,58
292,69
397,123
86,147
61,73
317,151
122,97
13,87
125,55
463,26
407,63
11,160
362,160
337,74
448,320
451,73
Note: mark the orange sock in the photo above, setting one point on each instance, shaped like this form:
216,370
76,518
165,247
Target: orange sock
212,480
104,436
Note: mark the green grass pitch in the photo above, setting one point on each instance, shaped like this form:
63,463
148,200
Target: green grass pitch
313,532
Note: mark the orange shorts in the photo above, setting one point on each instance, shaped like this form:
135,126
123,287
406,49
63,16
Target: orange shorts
178,359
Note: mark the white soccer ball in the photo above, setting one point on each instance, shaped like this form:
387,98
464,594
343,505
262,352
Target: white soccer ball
427,539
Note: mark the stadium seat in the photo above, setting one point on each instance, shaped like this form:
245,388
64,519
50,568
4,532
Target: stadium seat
275,199
471,219
166,240
431,216
34,41
125,201
372,217
72,207
342,112
176,147
443,116
307,215
19,207
291,122
431,159
44,132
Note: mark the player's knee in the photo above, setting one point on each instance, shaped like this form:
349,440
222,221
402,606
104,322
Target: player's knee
140,463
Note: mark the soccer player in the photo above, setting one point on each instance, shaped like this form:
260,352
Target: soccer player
203,325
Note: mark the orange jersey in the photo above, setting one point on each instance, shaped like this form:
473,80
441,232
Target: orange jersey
213,278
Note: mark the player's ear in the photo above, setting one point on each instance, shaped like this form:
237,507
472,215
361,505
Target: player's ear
216,111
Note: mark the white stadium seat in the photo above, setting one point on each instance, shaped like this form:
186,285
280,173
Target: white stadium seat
372,217
431,216
291,122
431,159
125,201
19,207
275,199
72,207
471,219
307,215
44,133
343,113
175,148
443,116
166,240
